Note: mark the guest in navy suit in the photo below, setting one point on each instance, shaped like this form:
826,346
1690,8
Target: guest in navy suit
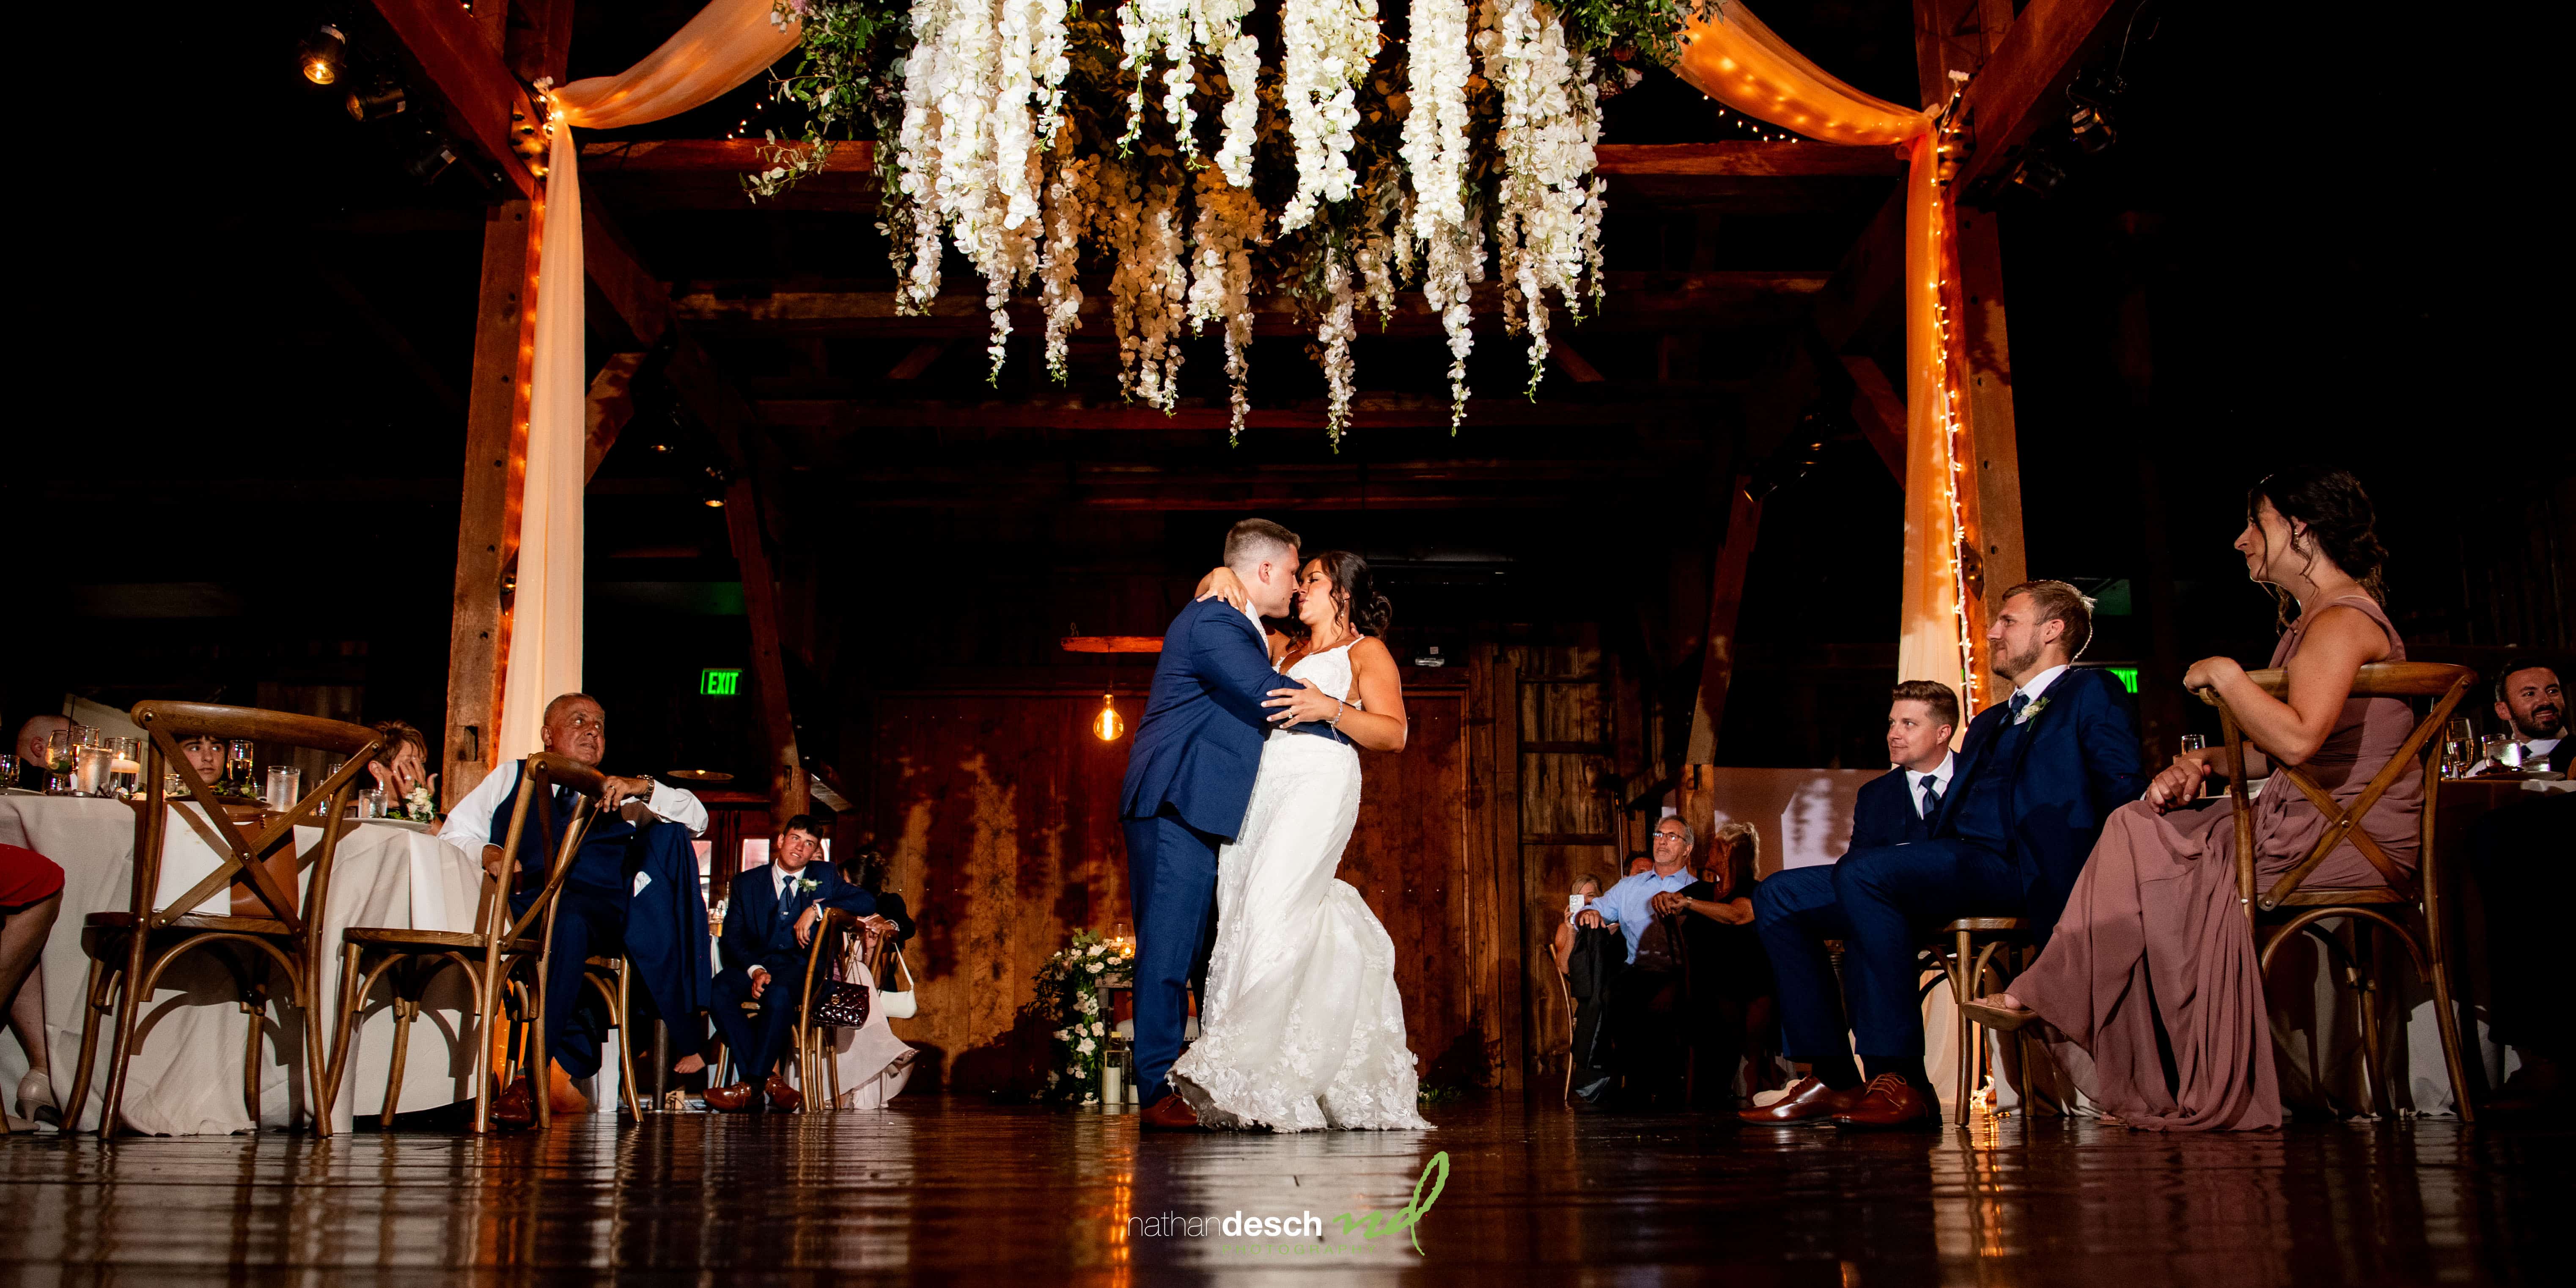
1897,807
768,927
1189,777
2028,796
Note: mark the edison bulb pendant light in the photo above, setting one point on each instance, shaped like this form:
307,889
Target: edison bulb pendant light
1107,724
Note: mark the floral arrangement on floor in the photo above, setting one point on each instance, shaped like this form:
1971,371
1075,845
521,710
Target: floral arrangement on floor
1069,999
1157,142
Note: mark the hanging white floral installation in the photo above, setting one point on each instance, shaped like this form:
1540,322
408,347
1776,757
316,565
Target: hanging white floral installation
1150,140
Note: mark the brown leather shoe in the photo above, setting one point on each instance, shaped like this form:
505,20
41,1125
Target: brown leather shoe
1171,1113
783,1098
732,1100
1808,1101
515,1109
1890,1102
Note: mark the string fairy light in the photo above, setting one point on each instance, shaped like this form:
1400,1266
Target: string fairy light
1945,414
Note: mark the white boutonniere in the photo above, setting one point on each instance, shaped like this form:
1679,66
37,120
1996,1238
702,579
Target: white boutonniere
2031,712
803,885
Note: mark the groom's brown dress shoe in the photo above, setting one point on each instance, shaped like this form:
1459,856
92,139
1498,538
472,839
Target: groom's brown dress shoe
783,1098
1889,1102
1809,1101
1171,1113
732,1100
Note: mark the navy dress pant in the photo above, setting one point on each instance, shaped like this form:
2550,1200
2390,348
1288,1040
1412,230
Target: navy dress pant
757,1041
589,922
1171,874
1883,903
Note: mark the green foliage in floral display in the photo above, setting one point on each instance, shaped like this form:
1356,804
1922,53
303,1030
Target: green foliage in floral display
1068,1005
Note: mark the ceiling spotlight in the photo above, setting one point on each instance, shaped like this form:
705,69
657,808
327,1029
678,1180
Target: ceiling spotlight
376,104
428,159
323,54
713,503
2038,175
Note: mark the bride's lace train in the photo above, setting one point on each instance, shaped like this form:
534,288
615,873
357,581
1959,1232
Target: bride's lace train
1302,1027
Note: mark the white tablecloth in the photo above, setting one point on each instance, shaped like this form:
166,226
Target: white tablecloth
187,1074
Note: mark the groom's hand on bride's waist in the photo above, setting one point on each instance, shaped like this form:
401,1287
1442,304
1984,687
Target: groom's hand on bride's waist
1305,702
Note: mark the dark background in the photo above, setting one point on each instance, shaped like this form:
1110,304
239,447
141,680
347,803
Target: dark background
239,456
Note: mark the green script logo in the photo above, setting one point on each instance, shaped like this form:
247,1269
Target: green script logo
1373,1223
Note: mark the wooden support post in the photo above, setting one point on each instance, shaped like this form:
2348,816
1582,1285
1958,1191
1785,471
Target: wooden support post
787,790
1993,444
1880,411
611,405
1511,1009
1725,605
496,462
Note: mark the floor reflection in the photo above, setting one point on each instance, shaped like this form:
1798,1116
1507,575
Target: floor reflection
989,1192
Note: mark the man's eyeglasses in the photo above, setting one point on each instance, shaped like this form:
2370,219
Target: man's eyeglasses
1668,836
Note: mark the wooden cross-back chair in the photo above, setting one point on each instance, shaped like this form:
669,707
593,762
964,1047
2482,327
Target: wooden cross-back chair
816,1070
1966,952
2409,906
129,950
491,954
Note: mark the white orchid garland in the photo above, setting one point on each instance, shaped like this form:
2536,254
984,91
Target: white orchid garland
986,158
1436,154
1328,46
1548,227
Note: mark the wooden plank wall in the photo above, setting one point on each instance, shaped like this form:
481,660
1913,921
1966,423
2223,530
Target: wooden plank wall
998,812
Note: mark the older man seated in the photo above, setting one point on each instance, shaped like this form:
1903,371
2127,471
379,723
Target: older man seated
632,890
1646,1043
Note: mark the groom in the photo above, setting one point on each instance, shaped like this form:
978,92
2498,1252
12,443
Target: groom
1189,777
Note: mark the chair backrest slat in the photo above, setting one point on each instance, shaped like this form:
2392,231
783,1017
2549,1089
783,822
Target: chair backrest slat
171,723
545,772
2444,684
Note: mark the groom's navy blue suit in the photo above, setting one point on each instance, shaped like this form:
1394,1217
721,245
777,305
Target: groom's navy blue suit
2027,800
1189,777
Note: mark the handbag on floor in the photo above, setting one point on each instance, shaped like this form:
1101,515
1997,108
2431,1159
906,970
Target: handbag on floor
899,1005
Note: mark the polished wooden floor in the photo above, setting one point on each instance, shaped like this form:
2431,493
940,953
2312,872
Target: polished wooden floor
958,1190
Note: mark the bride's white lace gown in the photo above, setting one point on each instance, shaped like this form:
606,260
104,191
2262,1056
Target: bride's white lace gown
1301,1027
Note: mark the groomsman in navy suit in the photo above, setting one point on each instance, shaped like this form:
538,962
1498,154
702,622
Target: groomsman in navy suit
1189,778
767,929
2029,791
1897,807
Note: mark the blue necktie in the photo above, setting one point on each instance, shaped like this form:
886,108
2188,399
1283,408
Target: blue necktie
2019,700
1931,797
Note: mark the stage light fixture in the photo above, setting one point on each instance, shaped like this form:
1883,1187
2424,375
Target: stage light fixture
428,159
377,104
323,54
1107,724
2092,129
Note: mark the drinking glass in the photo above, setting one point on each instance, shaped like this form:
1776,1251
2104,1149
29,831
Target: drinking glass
62,747
8,769
94,770
237,767
2459,748
285,787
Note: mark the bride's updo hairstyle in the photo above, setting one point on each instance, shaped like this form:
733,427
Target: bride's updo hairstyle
1355,592
2341,525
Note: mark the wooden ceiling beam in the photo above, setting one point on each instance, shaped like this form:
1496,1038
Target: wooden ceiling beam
1611,404
1734,158
1649,301
1414,486
482,101
2020,88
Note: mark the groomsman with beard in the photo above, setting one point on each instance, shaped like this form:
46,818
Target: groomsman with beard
2031,787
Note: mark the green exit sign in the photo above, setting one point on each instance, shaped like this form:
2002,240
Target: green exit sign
2128,677
713,683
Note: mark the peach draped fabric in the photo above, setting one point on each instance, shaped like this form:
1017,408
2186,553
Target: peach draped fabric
1731,57
727,43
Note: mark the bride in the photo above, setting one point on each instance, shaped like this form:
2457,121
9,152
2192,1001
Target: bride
1300,1025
